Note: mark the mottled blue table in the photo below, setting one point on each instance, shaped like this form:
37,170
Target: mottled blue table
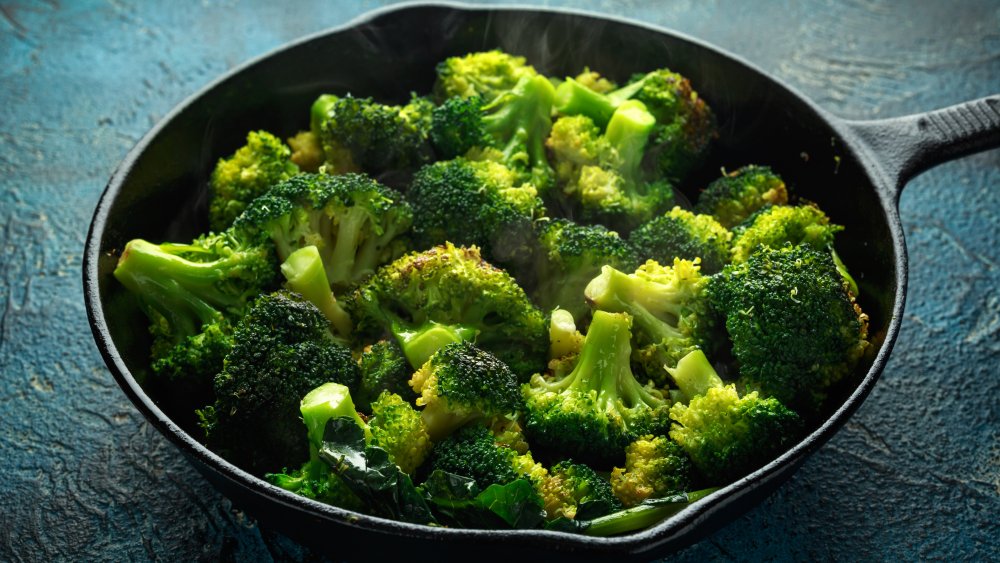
915,474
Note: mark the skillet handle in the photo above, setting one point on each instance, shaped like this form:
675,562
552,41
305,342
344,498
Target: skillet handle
906,146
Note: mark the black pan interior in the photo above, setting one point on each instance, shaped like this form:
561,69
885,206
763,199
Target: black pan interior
162,191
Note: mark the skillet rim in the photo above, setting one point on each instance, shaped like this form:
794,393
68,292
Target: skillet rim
678,530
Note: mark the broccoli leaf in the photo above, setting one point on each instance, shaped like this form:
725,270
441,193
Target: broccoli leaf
369,473
638,517
457,500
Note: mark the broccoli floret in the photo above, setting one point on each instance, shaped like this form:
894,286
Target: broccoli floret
362,134
307,151
454,286
568,256
460,384
574,490
473,452
511,129
668,304
794,325
655,467
314,479
248,173
486,75
193,295
474,203
594,81
282,349
727,435
306,276
355,222
778,225
601,175
682,234
397,428
596,410
684,126
737,195
383,368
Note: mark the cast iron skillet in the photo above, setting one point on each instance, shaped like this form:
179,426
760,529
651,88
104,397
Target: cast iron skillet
853,170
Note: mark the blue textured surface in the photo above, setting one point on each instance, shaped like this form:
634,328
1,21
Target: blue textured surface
914,474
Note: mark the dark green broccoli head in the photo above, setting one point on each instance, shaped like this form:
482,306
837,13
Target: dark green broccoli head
398,428
473,452
474,203
668,305
568,257
457,126
454,286
777,225
575,491
383,368
794,326
362,133
485,75
682,234
248,173
355,222
185,370
282,349
655,467
727,436
685,125
461,383
737,195
597,409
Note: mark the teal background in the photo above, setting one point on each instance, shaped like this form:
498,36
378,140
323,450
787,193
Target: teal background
915,474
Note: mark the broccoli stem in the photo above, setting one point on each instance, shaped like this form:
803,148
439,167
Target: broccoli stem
305,274
522,118
694,375
322,404
628,131
842,268
421,343
320,111
340,267
644,515
183,291
653,309
573,98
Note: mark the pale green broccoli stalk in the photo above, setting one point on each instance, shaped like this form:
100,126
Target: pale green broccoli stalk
305,275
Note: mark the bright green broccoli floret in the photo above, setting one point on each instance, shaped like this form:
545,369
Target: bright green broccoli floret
383,368
794,325
486,75
726,435
360,133
778,225
574,490
597,409
398,428
454,286
568,257
314,479
354,221
474,203
248,173
669,307
655,467
737,195
682,234
511,129
193,295
282,349
460,384
601,175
